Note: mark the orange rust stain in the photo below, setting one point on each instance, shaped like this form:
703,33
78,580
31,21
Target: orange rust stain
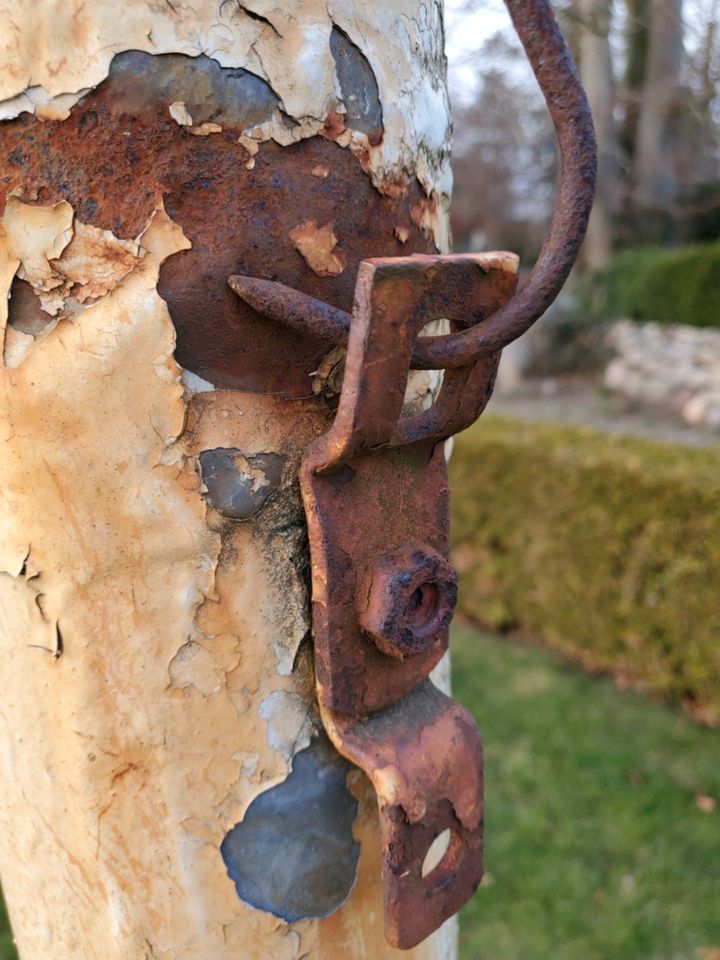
334,125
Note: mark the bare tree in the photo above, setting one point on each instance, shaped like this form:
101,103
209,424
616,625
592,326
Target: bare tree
503,155
596,70
655,174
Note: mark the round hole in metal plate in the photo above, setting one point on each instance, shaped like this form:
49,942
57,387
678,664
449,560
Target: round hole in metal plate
442,858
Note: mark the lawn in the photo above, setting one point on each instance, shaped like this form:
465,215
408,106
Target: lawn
598,843
6,945
597,846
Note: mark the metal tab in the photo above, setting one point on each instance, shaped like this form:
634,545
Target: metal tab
375,490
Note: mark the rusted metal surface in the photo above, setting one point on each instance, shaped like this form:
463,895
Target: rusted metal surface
355,514
406,600
567,103
424,758
374,483
461,298
121,150
375,491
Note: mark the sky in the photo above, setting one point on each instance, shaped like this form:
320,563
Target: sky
465,33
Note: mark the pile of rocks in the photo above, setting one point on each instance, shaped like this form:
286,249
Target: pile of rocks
677,367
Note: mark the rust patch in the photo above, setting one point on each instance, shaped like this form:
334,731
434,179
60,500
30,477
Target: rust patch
424,757
120,150
424,212
334,126
406,599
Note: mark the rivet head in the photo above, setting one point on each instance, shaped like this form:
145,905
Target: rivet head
406,600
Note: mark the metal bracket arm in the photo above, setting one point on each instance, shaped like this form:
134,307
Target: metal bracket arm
375,491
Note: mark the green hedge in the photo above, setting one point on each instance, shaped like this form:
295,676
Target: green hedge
670,285
605,547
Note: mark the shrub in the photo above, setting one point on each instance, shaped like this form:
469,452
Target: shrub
671,285
606,547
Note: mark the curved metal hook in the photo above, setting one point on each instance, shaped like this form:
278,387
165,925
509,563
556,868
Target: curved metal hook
557,76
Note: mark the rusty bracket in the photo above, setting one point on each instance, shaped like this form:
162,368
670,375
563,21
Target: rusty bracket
376,498
375,491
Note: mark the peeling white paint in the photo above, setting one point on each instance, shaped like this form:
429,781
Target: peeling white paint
66,262
193,666
289,721
184,689
195,384
180,114
402,42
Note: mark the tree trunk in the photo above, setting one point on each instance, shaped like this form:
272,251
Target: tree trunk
597,75
655,173
158,725
637,35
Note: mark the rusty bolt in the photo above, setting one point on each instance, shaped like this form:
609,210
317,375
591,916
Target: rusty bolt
406,601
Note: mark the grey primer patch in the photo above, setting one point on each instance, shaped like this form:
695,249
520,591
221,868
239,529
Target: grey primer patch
294,854
359,87
224,95
238,486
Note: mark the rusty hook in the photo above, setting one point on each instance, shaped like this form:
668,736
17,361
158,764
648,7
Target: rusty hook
558,79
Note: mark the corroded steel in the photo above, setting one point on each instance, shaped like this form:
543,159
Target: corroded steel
406,599
375,492
567,103
424,758
377,482
120,150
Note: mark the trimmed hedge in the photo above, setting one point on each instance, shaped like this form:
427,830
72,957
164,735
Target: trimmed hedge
605,547
669,285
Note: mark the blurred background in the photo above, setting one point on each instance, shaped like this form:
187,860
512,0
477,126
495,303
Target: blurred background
586,522
586,510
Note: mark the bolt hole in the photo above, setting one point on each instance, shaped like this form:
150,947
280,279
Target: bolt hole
422,608
442,858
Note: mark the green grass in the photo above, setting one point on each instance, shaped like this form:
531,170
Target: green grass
595,847
7,951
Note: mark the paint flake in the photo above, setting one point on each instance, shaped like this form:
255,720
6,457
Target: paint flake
318,247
